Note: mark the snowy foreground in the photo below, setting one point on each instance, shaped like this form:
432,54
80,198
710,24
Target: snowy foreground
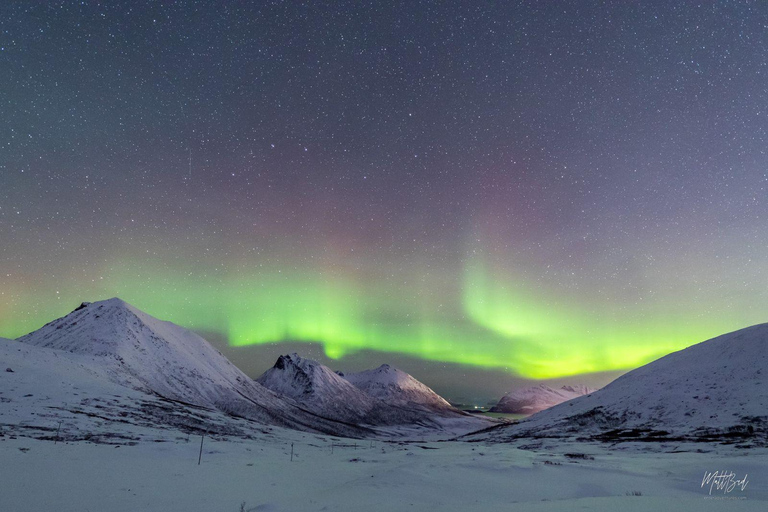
161,473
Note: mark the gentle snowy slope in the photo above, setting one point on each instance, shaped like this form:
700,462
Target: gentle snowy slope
49,394
397,388
128,347
716,390
537,398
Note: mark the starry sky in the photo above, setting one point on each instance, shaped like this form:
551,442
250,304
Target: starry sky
531,190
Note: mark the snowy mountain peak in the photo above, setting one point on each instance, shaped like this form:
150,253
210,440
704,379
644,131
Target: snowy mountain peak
299,380
136,350
382,396
396,386
82,306
317,387
117,343
115,328
295,376
291,360
537,398
141,351
92,328
578,389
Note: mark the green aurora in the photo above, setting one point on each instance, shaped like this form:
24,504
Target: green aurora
493,321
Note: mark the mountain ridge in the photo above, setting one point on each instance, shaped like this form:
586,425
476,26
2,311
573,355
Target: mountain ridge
714,390
533,399
138,351
384,396
117,343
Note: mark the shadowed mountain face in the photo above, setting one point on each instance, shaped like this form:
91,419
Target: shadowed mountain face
715,390
320,390
383,396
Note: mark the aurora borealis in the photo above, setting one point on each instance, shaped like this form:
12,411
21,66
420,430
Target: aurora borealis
548,190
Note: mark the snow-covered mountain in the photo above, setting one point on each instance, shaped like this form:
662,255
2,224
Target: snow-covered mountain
319,389
533,399
398,388
47,393
181,379
717,390
384,397
126,346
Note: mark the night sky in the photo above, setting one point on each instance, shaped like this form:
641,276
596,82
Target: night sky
536,190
